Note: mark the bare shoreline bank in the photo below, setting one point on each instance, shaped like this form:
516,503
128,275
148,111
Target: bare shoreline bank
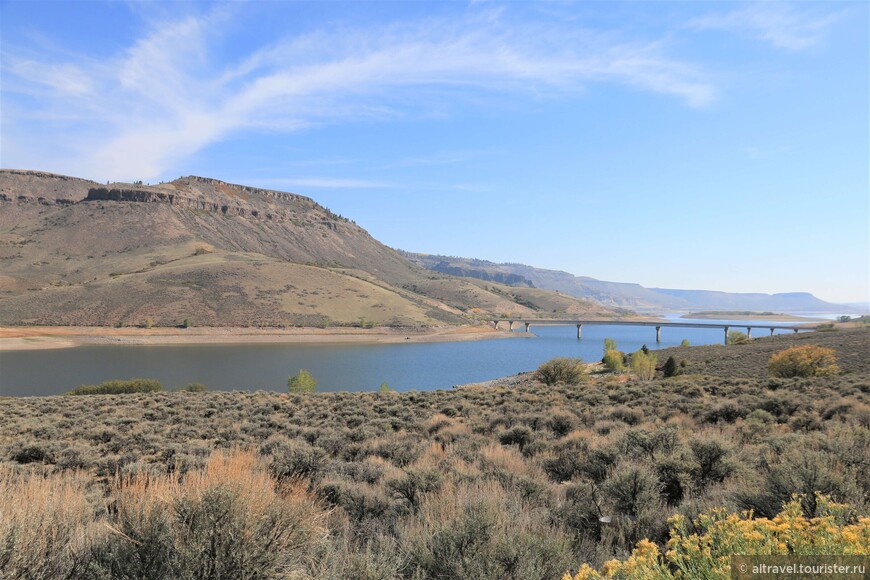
54,337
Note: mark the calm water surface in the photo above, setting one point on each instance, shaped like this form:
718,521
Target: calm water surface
337,367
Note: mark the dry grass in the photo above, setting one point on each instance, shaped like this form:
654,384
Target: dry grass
47,525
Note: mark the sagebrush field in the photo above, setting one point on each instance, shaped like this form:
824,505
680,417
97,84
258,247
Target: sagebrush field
518,480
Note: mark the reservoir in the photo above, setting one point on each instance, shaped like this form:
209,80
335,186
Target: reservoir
336,367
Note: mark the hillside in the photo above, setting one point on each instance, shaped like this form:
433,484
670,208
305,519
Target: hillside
625,295
75,252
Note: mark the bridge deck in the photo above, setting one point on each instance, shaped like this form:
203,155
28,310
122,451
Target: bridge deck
566,322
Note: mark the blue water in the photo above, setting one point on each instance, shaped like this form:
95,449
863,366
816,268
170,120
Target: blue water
336,367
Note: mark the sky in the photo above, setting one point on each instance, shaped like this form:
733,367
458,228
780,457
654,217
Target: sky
696,145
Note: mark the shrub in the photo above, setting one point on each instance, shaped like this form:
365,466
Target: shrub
479,530
303,382
685,342
702,549
186,323
711,463
194,388
644,365
568,371
803,361
519,435
149,322
613,360
229,520
737,337
609,344
119,387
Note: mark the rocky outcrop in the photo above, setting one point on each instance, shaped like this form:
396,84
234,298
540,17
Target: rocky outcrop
180,201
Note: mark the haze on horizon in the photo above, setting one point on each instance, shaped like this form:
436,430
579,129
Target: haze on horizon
721,146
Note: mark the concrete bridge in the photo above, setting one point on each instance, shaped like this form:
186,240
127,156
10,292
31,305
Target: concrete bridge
658,325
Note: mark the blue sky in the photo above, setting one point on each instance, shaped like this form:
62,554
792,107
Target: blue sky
688,145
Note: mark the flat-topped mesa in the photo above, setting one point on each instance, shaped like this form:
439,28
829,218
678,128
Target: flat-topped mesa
27,186
219,197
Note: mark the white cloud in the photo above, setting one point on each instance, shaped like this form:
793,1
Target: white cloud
779,23
169,96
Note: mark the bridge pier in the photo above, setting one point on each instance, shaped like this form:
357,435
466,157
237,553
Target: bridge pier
528,325
795,330
749,331
726,334
510,325
658,333
771,331
579,331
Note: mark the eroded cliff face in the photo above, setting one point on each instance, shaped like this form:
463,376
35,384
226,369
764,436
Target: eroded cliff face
194,193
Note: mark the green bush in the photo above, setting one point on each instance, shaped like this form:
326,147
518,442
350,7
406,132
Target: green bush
119,387
568,371
195,388
303,382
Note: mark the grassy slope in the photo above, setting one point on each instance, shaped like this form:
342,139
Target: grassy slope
637,451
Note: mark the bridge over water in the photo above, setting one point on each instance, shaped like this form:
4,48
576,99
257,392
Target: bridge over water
658,325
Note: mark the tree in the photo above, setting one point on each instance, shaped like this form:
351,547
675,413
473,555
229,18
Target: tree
670,368
301,383
644,365
384,388
685,342
613,360
644,349
609,344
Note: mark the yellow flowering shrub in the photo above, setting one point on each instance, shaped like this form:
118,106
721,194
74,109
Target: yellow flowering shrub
708,554
804,361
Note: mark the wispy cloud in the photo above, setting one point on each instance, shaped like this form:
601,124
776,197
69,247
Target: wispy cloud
322,182
784,25
142,113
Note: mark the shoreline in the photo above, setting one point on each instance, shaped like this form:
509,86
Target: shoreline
752,316
20,338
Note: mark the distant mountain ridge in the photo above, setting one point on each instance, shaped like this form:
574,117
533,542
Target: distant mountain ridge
628,295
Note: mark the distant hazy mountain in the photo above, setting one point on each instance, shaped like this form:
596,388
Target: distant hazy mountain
626,295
